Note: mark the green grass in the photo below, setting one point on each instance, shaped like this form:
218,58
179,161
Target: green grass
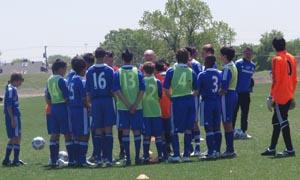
249,164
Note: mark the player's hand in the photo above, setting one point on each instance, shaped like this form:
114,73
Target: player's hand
270,103
293,104
132,109
222,92
13,122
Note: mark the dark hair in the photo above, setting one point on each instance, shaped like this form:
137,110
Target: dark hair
78,64
100,53
89,58
209,48
16,77
110,54
210,61
229,52
160,65
279,44
149,67
58,64
127,56
182,55
191,50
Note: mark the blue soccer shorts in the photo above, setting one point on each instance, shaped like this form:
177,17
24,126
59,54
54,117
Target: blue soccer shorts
228,103
103,112
80,121
211,114
152,126
13,132
126,120
60,121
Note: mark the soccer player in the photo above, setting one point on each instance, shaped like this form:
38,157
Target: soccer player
284,84
197,68
149,56
79,111
208,86
165,106
246,69
229,97
183,82
208,50
13,120
89,60
129,87
99,84
152,124
57,97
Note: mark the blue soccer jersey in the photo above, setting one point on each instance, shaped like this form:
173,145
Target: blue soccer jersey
77,91
196,66
209,83
246,70
11,100
99,81
70,76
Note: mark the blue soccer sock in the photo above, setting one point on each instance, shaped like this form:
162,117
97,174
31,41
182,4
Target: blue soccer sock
97,139
210,142
16,152
54,150
159,146
77,151
9,148
218,141
137,145
109,146
197,140
126,142
83,147
146,147
187,142
70,150
229,141
175,145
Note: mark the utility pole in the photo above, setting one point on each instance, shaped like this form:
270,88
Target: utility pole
45,56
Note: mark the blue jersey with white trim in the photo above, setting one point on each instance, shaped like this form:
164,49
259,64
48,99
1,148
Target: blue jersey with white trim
70,76
11,100
246,70
77,91
196,66
209,82
99,81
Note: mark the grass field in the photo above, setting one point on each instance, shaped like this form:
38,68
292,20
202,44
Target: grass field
249,164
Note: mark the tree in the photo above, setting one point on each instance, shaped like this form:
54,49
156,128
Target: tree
265,50
52,58
136,40
224,34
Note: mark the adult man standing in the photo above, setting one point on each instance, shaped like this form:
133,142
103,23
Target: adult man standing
244,87
149,56
284,83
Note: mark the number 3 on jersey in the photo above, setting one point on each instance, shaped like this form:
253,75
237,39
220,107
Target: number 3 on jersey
215,84
100,81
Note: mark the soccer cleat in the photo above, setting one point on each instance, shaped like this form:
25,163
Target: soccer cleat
186,159
208,157
138,161
61,163
127,162
195,154
99,163
18,163
92,159
285,153
88,164
146,161
174,159
245,135
228,155
217,155
6,162
269,152
122,155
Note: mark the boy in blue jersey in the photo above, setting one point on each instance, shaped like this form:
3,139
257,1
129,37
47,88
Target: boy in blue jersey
79,111
197,68
183,82
57,98
129,87
229,97
13,120
152,124
208,86
99,84
245,83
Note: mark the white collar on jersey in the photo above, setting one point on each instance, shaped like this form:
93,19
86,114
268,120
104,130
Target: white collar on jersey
181,65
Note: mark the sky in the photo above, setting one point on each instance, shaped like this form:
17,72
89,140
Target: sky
71,27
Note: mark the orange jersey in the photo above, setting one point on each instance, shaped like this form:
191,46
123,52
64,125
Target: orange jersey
165,103
47,109
284,77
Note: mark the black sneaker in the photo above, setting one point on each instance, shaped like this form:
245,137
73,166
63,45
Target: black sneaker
269,152
18,163
146,161
138,161
128,162
285,153
6,162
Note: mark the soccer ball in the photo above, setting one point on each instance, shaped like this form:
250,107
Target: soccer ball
237,133
38,143
63,155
